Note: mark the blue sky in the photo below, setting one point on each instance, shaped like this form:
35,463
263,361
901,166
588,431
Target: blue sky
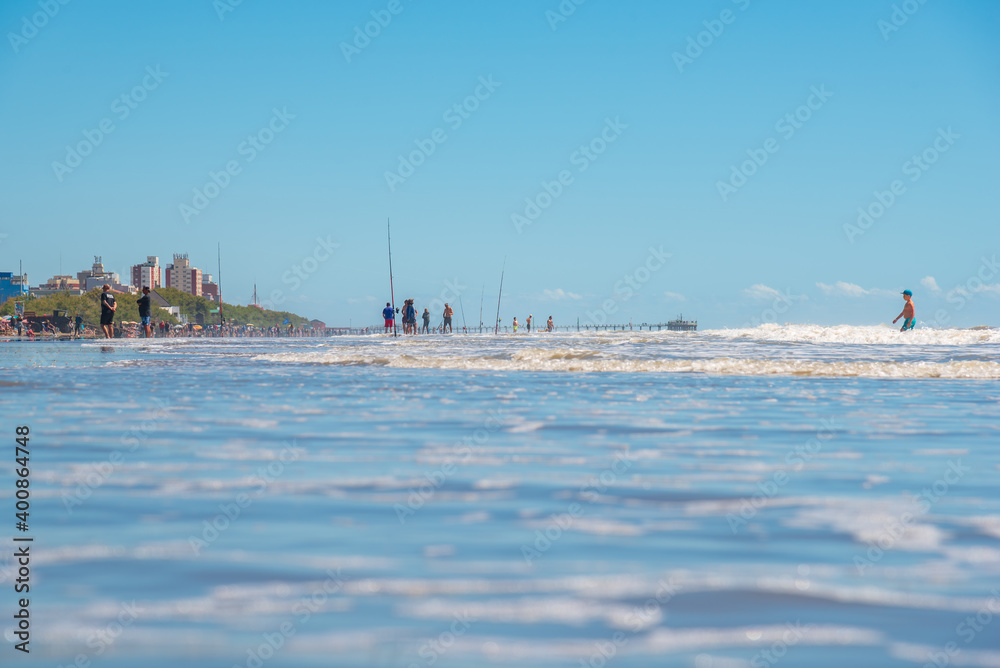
873,84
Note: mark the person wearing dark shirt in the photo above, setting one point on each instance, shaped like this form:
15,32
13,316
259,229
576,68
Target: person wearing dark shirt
409,318
144,309
108,308
79,326
427,321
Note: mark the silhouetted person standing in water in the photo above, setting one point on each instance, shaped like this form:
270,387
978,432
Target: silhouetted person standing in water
144,310
108,308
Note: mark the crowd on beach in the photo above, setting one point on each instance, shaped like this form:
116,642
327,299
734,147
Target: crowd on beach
17,327
409,320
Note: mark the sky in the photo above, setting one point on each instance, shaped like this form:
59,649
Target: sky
737,161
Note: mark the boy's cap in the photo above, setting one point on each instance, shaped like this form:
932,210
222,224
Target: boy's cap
907,292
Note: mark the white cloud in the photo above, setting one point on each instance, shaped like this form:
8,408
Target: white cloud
844,289
674,297
761,291
929,283
559,294
354,300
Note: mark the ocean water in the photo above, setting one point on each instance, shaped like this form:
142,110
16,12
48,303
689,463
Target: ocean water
791,496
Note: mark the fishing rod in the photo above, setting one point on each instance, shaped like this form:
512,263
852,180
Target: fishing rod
392,296
222,320
481,308
496,328
463,311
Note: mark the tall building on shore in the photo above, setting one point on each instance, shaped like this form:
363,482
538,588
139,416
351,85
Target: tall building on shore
182,276
147,274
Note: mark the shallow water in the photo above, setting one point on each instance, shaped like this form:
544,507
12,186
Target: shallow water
784,495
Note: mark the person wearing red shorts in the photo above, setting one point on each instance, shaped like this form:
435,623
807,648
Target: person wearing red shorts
389,317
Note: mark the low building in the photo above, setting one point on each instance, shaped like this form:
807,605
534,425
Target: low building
12,285
96,277
156,299
57,285
209,290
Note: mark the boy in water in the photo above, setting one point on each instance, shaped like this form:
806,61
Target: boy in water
909,319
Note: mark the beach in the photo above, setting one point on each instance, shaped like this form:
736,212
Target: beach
782,495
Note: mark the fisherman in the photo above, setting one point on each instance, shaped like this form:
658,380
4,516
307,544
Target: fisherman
427,321
389,316
908,313
78,329
108,308
448,312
